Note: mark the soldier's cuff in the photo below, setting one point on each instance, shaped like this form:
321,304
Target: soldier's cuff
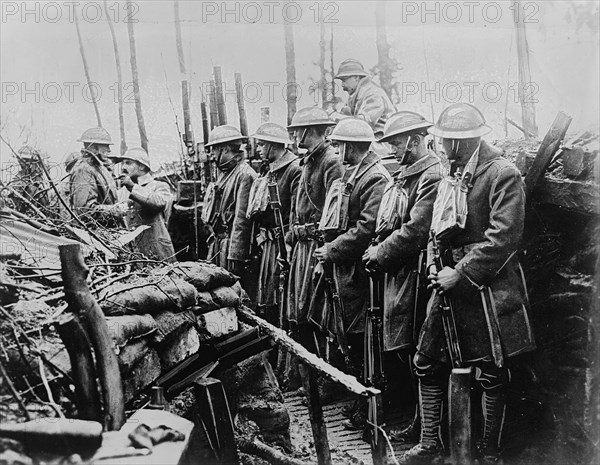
139,193
467,273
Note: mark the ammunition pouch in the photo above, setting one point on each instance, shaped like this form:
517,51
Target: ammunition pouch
306,232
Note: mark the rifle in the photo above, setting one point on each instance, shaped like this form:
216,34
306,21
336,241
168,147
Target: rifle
446,308
373,349
279,230
331,291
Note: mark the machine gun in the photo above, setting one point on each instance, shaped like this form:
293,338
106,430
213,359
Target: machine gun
446,307
373,350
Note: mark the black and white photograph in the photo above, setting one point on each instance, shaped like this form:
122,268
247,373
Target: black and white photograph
348,232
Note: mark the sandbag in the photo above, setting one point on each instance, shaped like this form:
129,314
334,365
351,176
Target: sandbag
131,354
204,276
170,323
215,299
139,298
126,328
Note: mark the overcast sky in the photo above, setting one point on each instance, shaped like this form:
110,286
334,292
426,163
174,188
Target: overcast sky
468,47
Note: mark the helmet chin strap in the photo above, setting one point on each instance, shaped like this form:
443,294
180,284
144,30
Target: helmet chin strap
455,148
343,152
303,137
406,153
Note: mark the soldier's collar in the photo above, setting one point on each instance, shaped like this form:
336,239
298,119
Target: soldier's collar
419,166
144,179
318,150
287,158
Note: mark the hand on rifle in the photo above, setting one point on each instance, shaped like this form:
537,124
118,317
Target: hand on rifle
284,265
322,254
370,258
443,281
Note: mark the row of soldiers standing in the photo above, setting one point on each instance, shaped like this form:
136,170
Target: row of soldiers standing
328,222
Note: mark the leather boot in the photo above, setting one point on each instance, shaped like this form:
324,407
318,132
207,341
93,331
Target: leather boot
493,405
430,449
409,434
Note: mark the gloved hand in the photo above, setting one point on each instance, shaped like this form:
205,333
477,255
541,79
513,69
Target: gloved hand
126,181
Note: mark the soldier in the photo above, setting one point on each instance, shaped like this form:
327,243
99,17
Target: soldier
226,203
477,224
93,189
403,223
348,224
320,167
366,101
148,203
64,187
283,175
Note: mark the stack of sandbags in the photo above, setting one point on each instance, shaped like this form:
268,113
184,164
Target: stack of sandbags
158,322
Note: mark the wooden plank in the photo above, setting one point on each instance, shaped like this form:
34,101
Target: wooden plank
546,151
460,416
317,422
306,357
578,196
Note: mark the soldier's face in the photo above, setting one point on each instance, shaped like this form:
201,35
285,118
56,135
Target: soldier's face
349,84
302,136
264,150
223,155
132,168
103,151
401,148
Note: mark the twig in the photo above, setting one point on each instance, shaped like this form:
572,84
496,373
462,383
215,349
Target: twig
24,199
13,390
48,391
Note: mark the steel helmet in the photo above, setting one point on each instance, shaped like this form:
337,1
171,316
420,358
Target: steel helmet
271,132
402,122
460,121
71,159
96,136
136,154
224,134
28,152
350,67
353,130
310,116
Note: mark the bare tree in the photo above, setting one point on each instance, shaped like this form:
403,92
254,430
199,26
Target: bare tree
86,69
385,64
188,133
290,68
135,80
119,79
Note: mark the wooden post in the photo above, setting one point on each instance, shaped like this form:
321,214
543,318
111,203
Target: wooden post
85,68
188,132
315,411
216,417
78,346
378,443
81,302
332,67
221,109
290,71
323,79
546,151
239,92
460,416
135,79
527,104
123,147
212,104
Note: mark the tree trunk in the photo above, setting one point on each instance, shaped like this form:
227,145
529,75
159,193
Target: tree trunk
383,50
221,108
135,80
86,70
527,105
290,69
123,147
188,133
332,67
323,80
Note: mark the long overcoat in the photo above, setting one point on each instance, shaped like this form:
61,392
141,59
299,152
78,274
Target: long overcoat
491,296
346,250
232,229
286,171
149,203
319,169
405,288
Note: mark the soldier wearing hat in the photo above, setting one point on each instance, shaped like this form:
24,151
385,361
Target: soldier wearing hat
403,223
477,224
64,187
348,225
92,188
366,101
226,203
320,167
147,202
270,203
